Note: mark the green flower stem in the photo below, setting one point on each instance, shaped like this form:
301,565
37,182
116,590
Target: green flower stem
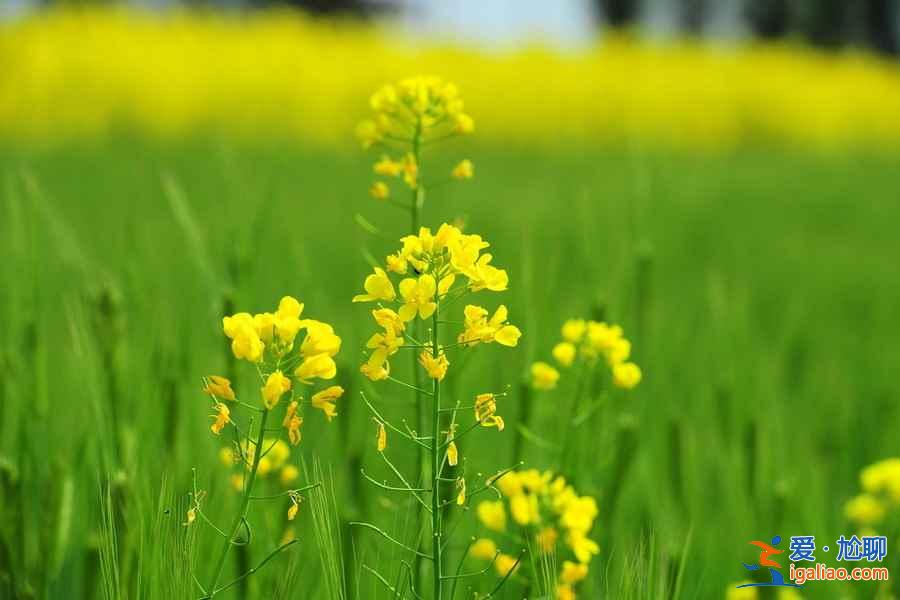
415,209
436,457
242,512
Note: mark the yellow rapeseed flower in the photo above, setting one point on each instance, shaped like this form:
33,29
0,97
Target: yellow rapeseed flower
564,591
626,375
436,367
485,411
865,509
452,454
418,297
245,341
289,474
380,190
221,418
381,437
564,353
492,514
543,376
505,564
464,170
524,509
325,400
276,385
484,549
387,167
219,388
573,572
573,330
583,548
318,365
479,329
460,491
292,422
546,539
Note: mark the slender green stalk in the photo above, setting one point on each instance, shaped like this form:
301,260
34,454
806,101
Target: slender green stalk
436,458
416,203
242,511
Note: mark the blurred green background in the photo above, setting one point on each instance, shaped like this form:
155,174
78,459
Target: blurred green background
758,287
690,170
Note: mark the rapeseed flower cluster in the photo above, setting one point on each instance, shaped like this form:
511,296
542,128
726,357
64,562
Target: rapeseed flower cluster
587,342
413,289
549,515
267,340
407,115
60,81
271,342
433,268
880,496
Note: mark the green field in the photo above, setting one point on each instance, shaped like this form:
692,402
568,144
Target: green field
760,290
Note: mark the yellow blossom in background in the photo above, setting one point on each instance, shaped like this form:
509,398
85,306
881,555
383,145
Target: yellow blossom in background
227,456
543,376
193,81
276,385
464,170
380,190
573,330
386,166
289,474
325,400
880,495
733,592
484,549
219,388
492,514
505,564
546,539
564,591
524,509
865,509
573,572
583,547
564,353
544,506
586,342
626,375
883,476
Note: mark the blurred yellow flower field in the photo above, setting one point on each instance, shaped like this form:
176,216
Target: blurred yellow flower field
92,72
